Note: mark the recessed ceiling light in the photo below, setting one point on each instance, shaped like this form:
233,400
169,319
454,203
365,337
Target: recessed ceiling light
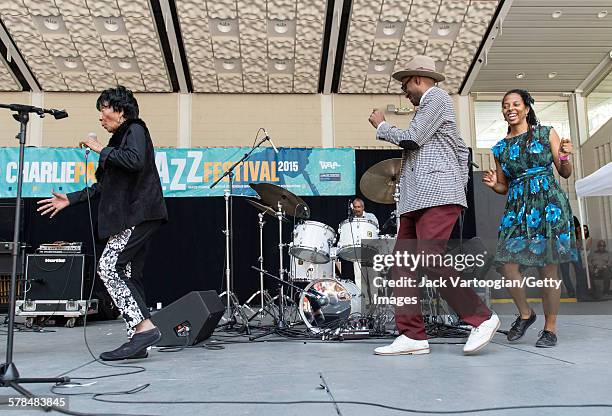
557,14
124,64
602,14
444,30
389,29
552,75
520,75
280,65
281,27
380,66
51,23
224,26
229,65
111,24
70,63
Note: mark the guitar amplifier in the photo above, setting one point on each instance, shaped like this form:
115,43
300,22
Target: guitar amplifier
57,277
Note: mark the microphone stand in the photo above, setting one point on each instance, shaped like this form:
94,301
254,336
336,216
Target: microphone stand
233,306
9,375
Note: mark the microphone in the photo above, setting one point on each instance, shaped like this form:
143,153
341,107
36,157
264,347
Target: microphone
351,210
268,138
92,136
58,114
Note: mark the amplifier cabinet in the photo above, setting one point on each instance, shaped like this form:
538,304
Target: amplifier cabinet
57,277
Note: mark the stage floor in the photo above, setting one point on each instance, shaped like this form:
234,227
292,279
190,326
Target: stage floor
577,372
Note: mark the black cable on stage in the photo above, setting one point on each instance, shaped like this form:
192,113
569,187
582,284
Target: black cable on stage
98,397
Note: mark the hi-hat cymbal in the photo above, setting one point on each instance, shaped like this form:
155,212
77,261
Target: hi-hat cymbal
378,182
265,209
272,195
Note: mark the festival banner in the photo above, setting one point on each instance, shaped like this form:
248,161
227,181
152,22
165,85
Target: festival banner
188,172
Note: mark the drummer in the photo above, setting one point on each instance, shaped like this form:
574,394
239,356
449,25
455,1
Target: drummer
359,211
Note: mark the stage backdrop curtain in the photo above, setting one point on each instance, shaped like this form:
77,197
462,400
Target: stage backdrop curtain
188,253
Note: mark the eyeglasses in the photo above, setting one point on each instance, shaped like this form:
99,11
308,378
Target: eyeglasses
404,84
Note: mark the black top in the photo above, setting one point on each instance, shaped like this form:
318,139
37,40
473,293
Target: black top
128,184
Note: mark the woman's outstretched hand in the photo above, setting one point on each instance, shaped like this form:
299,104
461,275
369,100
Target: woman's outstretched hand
53,205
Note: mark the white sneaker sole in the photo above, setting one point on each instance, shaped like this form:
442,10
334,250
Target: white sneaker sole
411,352
484,344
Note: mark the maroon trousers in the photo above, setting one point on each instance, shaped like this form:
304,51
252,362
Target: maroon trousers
428,230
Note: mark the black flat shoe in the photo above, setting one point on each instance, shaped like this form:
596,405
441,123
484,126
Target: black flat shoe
135,347
547,339
519,327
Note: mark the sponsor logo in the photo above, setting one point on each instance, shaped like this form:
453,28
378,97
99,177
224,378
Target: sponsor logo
330,177
55,260
329,165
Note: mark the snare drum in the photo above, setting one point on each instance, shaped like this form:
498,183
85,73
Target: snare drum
303,271
352,231
312,242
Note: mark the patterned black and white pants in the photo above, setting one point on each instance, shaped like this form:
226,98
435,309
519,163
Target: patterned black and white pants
120,268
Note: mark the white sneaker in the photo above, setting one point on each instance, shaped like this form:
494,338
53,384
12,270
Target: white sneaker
481,335
403,345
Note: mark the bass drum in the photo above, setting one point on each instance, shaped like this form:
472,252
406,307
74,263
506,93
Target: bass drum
336,299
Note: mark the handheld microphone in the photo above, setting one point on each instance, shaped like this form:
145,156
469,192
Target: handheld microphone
92,136
268,138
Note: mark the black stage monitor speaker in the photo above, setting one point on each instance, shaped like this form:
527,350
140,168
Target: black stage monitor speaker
56,277
190,319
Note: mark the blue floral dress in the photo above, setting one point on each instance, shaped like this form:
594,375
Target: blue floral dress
537,227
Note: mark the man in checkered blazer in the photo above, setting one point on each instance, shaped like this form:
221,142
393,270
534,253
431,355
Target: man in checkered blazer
432,194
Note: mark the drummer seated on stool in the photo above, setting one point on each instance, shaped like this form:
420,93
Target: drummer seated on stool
359,211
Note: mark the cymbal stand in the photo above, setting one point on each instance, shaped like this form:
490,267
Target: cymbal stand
233,308
264,296
281,269
279,321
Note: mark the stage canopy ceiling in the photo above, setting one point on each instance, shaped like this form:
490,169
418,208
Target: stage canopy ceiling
234,46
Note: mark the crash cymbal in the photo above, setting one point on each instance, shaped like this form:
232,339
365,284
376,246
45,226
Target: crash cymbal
378,182
265,209
271,195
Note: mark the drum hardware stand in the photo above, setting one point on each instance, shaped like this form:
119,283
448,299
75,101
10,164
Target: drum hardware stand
9,375
281,270
262,292
233,307
281,281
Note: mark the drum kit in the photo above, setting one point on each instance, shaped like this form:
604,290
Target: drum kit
314,250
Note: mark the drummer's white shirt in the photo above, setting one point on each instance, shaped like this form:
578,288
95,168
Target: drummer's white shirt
369,216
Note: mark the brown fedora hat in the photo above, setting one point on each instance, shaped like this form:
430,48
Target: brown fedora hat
420,65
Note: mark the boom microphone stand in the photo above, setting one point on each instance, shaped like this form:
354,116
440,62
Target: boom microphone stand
9,376
233,306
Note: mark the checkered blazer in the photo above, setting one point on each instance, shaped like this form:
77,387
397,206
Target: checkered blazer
436,173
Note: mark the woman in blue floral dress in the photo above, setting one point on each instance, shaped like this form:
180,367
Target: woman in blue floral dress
537,227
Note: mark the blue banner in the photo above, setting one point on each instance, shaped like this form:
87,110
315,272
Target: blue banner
188,172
